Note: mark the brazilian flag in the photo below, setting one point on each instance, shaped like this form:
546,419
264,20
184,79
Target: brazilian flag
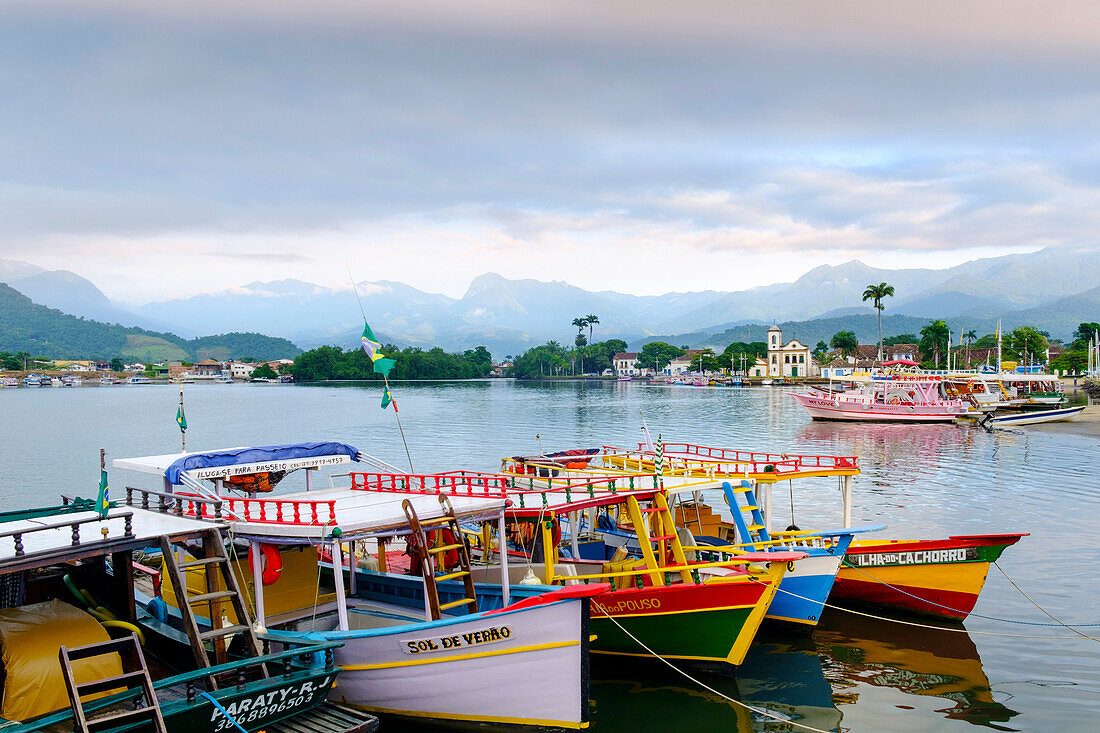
387,398
181,419
103,502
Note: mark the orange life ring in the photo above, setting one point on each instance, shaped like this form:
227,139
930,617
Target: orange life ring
272,562
895,401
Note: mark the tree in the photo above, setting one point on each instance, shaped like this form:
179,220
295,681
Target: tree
704,361
1085,333
820,349
969,337
901,338
846,341
1025,341
934,338
657,355
117,365
263,371
876,293
591,320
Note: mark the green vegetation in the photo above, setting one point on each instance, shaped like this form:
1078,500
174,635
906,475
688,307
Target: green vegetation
1075,357
933,341
27,326
332,362
704,361
656,355
731,357
263,371
846,341
901,338
876,293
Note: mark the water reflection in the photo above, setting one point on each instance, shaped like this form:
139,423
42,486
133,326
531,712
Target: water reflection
782,675
916,661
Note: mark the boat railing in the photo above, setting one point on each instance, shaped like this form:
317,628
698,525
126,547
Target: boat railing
684,456
664,572
178,503
455,483
74,524
295,512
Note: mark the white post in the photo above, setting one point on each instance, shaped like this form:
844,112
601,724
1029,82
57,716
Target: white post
767,507
309,478
353,565
573,527
258,584
846,494
338,575
503,546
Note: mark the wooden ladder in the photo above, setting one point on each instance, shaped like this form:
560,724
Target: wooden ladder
135,674
221,587
665,539
429,555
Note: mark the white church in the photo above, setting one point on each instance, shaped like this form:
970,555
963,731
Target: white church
791,359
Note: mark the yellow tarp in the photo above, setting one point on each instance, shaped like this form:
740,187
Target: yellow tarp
30,639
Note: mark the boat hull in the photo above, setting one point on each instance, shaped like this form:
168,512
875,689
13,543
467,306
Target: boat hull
1039,416
526,667
712,622
824,408
941,578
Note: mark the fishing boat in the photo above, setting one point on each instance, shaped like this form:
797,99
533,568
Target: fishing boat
9,382
409,650
767,382
223,379
33,380
78,654
71,381
937,577
106,381
685,470
907,398
625,378
665,602
136,379
1032,417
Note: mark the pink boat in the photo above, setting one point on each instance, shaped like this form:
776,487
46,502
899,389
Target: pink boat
899,398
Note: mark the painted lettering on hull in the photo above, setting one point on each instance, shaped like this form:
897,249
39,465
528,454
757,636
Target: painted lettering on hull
264,705
491,635
634,605
917,557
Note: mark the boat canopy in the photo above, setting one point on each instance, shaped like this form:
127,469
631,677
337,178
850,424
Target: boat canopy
900,362
241,461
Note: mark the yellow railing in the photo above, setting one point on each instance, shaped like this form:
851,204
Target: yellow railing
648,571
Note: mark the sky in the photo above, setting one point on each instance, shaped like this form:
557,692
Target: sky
170,148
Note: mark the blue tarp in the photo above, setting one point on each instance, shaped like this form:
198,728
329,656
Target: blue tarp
262,454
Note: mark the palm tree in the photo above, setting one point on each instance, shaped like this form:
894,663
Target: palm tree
934,339
592,320
580,323
970,337
876,293
846,341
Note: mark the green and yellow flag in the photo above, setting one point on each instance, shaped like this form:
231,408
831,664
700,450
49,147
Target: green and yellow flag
103,502
371,345
181,419
387,398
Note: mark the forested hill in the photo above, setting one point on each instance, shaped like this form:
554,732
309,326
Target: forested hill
41,331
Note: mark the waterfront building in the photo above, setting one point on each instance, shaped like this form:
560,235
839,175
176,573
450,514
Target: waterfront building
625,365
241,370
790,359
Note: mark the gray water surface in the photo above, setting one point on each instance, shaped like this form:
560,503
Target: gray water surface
858,674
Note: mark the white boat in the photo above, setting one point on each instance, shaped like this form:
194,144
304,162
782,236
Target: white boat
223,380
71,381
139,380
522,663
57,382
1034,417
767,382
106,381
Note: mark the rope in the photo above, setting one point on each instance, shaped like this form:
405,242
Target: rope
977,615
912,623
705,686
1025,595
225,712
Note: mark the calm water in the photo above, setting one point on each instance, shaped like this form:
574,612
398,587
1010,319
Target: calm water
852,674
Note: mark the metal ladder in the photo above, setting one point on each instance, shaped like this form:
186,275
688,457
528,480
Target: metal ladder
219,575
428,555
754,535
135,674
666,533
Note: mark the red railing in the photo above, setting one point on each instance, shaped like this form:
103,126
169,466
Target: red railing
274,511
783,462
456,483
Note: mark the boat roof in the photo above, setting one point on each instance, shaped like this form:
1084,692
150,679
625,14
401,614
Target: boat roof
241,461
36,538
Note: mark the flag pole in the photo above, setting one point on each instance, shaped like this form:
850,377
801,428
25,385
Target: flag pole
385,379
183,430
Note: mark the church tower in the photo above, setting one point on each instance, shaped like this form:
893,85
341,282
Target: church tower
775,351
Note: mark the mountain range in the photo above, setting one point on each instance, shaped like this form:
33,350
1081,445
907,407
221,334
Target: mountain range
1052,289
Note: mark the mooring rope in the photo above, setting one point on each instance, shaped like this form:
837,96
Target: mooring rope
823,604
705,686
1025,595
977,615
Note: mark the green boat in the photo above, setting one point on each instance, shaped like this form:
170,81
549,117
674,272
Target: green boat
77,654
